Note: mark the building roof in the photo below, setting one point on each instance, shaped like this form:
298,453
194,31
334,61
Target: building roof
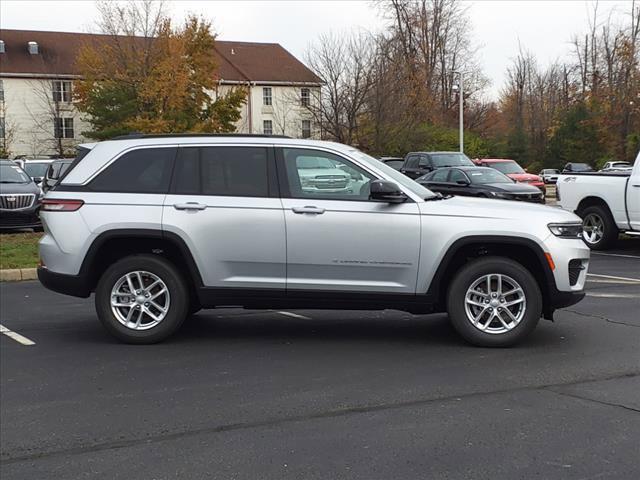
237,61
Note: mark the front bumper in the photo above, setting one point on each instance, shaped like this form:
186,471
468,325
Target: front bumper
23,218
74,285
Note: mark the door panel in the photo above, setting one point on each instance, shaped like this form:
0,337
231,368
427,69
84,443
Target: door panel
358,246
337,239
235,241
223,206
633,200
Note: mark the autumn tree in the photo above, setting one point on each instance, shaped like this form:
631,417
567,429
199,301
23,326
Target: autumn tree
146,75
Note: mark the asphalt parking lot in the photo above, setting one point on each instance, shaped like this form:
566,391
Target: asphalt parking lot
318,394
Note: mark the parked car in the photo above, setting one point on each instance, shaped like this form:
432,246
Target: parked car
609,166
417,164
54,172
479,182
573,167
36,169
549,175
608,203
511,169
19,198
394,162
160,226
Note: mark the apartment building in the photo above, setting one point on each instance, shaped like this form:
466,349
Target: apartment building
37,73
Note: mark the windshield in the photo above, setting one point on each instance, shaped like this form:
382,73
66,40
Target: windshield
450,160
36,169
395,175
580,167
507,167
487,175
12,174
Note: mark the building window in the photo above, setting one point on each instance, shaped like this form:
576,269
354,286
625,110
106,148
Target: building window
2,132
267,127
61,91
266,96
305,97
306,128
63,127
1,91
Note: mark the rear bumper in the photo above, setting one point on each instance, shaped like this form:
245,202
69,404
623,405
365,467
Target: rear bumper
74,285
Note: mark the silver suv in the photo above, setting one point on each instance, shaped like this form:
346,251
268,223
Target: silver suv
162,226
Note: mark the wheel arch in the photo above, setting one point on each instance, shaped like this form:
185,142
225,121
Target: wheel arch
523,250
592,201
114,244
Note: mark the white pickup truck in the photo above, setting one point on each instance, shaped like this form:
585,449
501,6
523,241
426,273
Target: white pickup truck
608,203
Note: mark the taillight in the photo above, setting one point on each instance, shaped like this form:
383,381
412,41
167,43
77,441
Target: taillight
55,205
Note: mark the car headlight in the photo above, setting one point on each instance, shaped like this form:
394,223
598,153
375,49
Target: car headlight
566,230
499,194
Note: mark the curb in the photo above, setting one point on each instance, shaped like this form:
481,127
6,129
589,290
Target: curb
18,274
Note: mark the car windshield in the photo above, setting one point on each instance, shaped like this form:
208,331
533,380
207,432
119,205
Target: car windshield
36,169
395,175
550,171
313,162
487,175
12,174
507,167
450,160
395,164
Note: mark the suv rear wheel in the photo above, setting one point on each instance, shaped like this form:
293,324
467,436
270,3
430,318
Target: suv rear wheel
494,302
142,299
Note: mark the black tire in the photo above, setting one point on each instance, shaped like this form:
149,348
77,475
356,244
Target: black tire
178,294
476,269
609,232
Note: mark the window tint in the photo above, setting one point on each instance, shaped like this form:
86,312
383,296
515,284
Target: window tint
424,161
317,174
225,171
412,161
440,175
146,170
457,175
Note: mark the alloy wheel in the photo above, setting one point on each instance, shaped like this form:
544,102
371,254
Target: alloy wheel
593,228
495,303
140,300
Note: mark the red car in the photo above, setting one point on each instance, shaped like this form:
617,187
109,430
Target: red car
512,170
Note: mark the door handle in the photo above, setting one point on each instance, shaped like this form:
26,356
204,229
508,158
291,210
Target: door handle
189,206
308,209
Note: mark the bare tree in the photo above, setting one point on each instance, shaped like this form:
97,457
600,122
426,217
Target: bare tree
345,66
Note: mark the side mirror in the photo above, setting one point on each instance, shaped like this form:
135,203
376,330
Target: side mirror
386,191
462,182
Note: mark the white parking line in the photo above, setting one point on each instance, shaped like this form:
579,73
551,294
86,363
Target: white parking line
294,315
626,279
615,255
612,295
16,336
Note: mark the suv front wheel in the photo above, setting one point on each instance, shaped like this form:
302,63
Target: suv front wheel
494,302
142,299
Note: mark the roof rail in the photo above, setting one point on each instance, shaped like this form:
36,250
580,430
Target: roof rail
133,136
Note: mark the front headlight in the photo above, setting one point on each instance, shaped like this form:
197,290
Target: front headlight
499,194
566,230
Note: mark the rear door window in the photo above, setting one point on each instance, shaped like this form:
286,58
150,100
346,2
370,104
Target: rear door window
145,170
222,171
440,175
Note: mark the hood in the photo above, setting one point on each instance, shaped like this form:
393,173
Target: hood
499,209
30,187
513,187
524,177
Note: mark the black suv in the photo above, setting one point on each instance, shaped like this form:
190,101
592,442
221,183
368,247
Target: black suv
19,198
417,164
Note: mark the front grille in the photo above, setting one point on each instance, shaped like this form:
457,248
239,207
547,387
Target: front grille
16,201
330,181
575,267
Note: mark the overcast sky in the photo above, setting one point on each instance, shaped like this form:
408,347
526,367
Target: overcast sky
543,27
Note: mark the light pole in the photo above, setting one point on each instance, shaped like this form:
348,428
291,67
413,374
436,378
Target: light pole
460,89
